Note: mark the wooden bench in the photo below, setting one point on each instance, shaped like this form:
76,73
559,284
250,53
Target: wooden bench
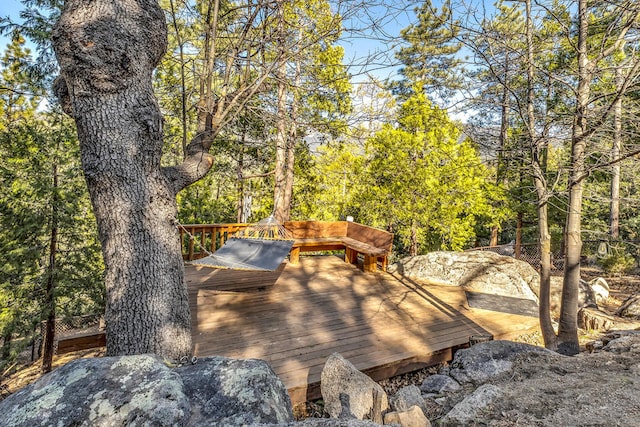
82,341
312,236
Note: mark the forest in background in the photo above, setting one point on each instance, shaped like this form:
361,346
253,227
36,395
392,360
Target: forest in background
298,132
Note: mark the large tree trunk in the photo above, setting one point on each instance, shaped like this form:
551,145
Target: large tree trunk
107,51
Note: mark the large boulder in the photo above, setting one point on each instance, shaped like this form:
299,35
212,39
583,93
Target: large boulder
143,390
329,422
110,391
630,307
600,289
590,293
482,362
348,393
479,271
233,392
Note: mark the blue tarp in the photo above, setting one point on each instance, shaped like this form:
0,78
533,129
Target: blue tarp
248,254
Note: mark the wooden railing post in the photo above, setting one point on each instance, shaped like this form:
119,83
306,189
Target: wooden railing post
219,234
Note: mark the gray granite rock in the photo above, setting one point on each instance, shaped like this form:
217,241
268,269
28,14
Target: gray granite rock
144,391
468,409
624,344
439,384
348,393
406,398
630,307
328,422
233,392
110,391
478,271
412,417
481,362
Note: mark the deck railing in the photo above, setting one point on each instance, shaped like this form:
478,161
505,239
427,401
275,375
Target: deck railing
198,239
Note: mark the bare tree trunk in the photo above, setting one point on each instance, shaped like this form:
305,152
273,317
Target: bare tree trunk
413,244
107,50
280,208
502,139
614,211
568,328
494,236
292,139
183,83
240,182
538,147
50,299
518,247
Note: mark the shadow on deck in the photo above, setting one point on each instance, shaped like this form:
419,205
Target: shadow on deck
297,316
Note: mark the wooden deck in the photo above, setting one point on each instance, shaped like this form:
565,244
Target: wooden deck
297,316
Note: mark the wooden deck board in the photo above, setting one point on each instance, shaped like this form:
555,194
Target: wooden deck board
300,314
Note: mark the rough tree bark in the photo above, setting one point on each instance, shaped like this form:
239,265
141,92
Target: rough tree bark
107,50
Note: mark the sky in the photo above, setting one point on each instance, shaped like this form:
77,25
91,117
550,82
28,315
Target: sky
383,21
9,8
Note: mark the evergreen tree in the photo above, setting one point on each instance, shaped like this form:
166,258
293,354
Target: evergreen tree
51,265
426,181
431,58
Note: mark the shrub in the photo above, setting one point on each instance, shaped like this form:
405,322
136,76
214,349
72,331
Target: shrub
617,263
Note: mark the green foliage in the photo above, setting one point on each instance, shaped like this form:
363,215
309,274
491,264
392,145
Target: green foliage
430,54
418,178
617,263
35,147
426,182
327,183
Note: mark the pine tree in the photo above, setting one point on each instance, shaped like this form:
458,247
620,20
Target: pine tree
51,261
430,59
426,182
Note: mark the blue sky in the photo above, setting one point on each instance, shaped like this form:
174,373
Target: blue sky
356,46
12,9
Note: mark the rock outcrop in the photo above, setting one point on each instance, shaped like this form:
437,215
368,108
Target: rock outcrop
478,271
439,384
491,383
110,391
406,398
630,308
143,390
487,360
490,273
469,408
233,392
412,417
